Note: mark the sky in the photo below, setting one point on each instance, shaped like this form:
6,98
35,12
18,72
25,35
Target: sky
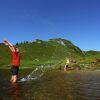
75,20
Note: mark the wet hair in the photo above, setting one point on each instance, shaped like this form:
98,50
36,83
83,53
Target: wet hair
15,47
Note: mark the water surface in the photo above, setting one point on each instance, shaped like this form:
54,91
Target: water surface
54,85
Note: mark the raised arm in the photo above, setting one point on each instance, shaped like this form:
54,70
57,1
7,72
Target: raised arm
10,45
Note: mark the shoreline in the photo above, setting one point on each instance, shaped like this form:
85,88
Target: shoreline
19,68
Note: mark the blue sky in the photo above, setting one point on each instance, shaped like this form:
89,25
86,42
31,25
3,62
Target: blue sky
74,20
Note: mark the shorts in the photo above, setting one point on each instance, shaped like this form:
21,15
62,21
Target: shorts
14,70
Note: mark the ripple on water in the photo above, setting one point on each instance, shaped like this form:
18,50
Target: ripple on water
56,86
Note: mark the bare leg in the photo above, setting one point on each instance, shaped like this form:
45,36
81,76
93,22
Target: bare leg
65,68
11,79
14,79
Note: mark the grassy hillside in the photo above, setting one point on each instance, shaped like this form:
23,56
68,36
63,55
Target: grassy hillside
52,51
41,52
4,55
47,52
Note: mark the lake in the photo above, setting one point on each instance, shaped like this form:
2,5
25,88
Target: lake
52,85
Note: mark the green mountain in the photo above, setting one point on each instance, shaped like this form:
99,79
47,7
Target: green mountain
41,52
5,57
92,55
45,52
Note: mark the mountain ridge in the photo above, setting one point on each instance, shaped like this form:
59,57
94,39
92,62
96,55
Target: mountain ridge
44,52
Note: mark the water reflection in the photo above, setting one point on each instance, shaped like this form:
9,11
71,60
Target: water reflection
54,86
15,91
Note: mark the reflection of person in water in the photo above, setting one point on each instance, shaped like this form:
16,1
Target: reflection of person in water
66,65
15,91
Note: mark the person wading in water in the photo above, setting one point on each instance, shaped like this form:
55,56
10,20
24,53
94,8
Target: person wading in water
66,65
15,61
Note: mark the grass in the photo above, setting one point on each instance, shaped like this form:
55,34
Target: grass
53,52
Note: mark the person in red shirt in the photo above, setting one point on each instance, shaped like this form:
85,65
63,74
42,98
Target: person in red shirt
15,61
